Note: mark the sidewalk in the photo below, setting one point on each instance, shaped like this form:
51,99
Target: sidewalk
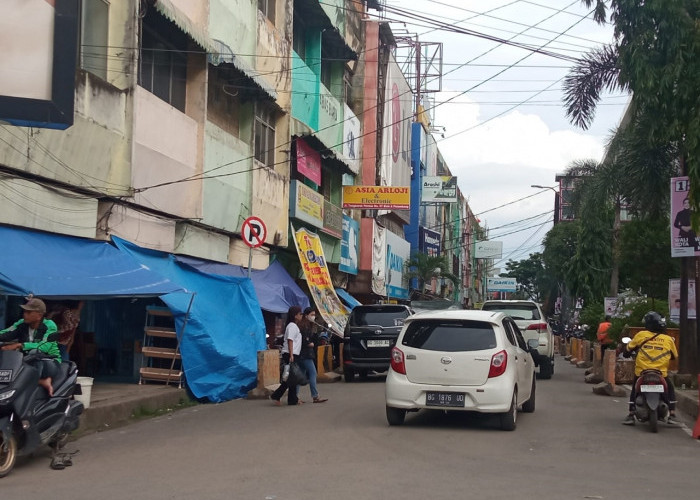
113,405
687,402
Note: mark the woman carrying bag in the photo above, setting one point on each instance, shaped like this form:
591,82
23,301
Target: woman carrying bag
291,348
308,349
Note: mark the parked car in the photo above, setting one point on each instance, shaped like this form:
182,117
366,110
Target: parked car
461,360
370,334
533,325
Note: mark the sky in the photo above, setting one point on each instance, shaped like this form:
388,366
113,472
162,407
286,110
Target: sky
496,146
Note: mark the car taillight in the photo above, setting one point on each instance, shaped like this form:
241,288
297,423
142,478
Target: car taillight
499,361
540,327
397,361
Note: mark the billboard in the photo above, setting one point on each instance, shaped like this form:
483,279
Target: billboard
501,284
39,41
398,252
488,249
377,197
428,242
674,299
440,189
684,242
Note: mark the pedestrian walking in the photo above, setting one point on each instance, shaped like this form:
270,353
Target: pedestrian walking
308,351
291,348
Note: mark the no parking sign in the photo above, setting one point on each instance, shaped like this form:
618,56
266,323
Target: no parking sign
254,232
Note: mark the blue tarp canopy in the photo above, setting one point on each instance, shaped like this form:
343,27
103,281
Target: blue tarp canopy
56,266
349,300
224,329
275,288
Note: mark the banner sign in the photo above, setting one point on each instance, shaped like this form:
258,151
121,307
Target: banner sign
500,284
377,197
351,139
318,279
398,251
395,162
488,250
305,204
610,306
308,162
674,299
440,189
428,242
683,240
349,245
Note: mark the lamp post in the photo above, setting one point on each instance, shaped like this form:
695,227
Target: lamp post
557,200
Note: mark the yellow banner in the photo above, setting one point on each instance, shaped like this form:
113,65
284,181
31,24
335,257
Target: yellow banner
319,281
377,197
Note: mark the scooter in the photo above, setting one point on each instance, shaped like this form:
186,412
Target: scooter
29,418
651,397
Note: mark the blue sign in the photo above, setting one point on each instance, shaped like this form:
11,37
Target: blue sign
428,242
349,245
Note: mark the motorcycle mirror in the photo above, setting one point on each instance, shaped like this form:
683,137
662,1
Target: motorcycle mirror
626,340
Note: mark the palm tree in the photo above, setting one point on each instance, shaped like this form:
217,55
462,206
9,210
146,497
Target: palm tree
425,267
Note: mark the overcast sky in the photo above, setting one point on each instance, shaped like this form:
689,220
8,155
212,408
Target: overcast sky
498,152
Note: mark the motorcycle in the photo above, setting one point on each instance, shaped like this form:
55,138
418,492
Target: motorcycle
651,398
29,418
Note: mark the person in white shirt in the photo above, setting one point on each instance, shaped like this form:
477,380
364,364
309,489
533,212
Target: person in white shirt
290,349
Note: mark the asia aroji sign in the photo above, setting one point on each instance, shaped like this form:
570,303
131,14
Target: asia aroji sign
377,197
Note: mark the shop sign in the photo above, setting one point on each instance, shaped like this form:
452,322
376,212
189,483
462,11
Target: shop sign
398,252
349,245
377,197
308,162
428,242
305,204
332,219
439,189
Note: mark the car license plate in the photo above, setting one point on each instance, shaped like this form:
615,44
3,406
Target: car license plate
378,343
5,375
444,399
652,388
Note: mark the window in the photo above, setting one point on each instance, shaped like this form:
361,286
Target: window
515,311
299,37
264,135
507,325
163,65
450,336
223,102
378,316
267,7
94,36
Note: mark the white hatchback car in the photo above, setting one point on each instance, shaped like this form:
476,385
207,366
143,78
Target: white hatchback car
461,360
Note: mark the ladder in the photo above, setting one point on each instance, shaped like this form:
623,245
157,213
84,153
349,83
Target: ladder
161,348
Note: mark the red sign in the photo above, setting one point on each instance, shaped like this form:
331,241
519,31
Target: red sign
308,162
254,232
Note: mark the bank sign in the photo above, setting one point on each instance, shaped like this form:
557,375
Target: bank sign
501,284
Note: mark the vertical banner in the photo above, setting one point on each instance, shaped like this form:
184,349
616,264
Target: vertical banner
319,280
349,245
395,163
398,252
308,162
379,260
683,240
674,299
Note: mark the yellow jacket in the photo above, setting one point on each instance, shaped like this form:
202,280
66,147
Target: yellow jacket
655,354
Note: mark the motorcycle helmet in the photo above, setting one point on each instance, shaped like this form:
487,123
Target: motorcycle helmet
654,322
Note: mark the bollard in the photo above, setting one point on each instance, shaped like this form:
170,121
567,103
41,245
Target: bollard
696,430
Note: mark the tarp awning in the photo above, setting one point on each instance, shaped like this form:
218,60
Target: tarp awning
52,266
275,288
349,300
224,329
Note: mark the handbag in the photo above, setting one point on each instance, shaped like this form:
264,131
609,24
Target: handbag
297,376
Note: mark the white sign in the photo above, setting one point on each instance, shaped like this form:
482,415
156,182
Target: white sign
440,189
488,250
501,284
254,232
398,252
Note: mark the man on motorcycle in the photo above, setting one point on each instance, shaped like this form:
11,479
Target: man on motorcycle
35,332
656,350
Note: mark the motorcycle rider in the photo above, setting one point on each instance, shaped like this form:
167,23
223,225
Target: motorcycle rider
656,350
35,332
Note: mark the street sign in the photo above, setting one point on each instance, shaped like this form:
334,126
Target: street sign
254,232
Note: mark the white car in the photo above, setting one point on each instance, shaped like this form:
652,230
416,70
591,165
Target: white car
461,360
530,319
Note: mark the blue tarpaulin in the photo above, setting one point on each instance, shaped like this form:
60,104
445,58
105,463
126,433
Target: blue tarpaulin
224,331
56,266
275,288
349,300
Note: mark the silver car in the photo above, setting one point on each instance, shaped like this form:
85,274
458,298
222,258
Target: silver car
461,360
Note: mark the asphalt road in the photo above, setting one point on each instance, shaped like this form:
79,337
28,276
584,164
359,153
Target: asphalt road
572,447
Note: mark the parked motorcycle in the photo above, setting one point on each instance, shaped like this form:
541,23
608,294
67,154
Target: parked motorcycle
651,397
29,418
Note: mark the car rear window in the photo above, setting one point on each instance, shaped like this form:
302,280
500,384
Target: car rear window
378,316
515,311
450,336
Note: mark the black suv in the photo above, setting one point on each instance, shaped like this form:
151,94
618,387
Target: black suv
370,334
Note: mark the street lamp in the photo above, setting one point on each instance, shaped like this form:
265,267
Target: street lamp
557,200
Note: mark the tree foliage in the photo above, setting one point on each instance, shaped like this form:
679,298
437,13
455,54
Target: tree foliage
425,267
529,273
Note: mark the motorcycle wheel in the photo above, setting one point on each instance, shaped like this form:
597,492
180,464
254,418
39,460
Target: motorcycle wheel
7,457
653,421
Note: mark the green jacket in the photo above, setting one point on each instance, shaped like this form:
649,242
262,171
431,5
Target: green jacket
46,331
